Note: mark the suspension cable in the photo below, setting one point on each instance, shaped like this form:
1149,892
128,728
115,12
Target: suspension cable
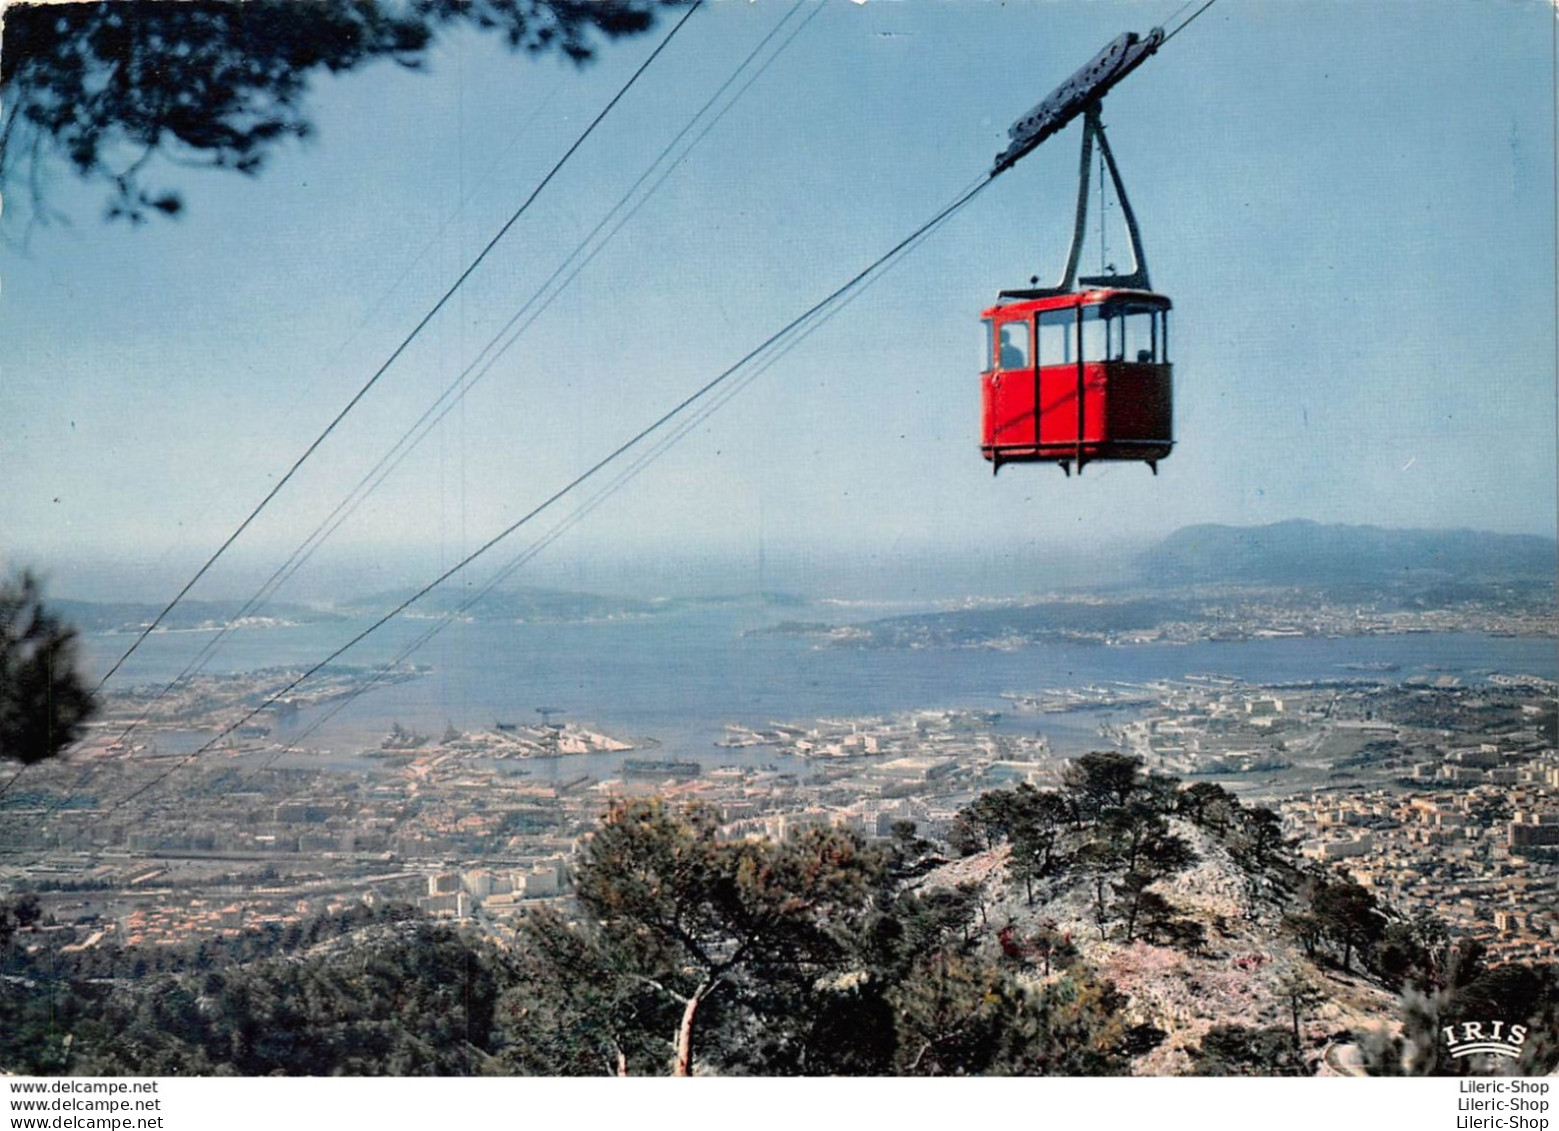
1187,23
840,293
640,463
477,369
572,485
400,349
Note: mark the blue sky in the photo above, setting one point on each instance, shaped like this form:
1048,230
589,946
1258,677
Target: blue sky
1351,205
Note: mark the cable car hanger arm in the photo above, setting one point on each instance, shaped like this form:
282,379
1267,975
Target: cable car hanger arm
1137,278
1077,94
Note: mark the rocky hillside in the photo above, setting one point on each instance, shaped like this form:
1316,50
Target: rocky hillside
1240,972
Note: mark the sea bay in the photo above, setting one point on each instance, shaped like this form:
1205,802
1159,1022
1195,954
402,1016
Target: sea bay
676,680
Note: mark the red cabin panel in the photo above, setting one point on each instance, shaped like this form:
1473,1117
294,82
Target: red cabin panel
1078,378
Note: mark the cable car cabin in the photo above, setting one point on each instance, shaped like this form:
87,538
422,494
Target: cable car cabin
1076,378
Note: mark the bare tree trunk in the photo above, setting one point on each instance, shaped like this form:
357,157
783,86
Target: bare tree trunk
684,1061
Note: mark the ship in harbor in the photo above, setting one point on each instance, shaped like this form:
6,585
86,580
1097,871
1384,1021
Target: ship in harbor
660,768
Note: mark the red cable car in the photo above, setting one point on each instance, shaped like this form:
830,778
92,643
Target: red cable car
1077,378
1079,374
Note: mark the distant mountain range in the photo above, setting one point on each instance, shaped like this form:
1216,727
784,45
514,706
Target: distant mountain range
1365,564
549,605
522,604
556,606
1291,578
1300,552
134,616
535,605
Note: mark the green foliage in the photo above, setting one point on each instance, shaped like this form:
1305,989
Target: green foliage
1031,820
1036,837
1345,914
17,913
1141,908
1162,792
1045,948
1416,1050
1209,806
108,85
396,996
814,956
1513,993
985,822
691,935
1300,995
1305,926
1414,951
910,854
43,699
572,1011
1135,842
1237,1050
1141,839
1109,825
1101,780
1258,837
960,1016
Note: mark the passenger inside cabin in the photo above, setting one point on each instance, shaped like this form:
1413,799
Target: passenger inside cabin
1014,345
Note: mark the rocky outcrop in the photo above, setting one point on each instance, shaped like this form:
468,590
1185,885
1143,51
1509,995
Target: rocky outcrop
1238,975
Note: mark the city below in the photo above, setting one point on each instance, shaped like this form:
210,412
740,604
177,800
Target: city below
1361,768
1438,792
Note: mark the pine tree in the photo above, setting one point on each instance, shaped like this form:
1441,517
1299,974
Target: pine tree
43,699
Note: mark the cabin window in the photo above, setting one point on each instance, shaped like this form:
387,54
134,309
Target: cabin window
1058,337
1138,334
1095,334
1014,345
990,345
1134,334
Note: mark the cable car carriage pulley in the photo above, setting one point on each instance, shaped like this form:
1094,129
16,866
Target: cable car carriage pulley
1079,372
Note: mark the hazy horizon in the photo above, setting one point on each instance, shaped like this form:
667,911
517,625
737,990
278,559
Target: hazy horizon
869,575
1285,162
920,573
